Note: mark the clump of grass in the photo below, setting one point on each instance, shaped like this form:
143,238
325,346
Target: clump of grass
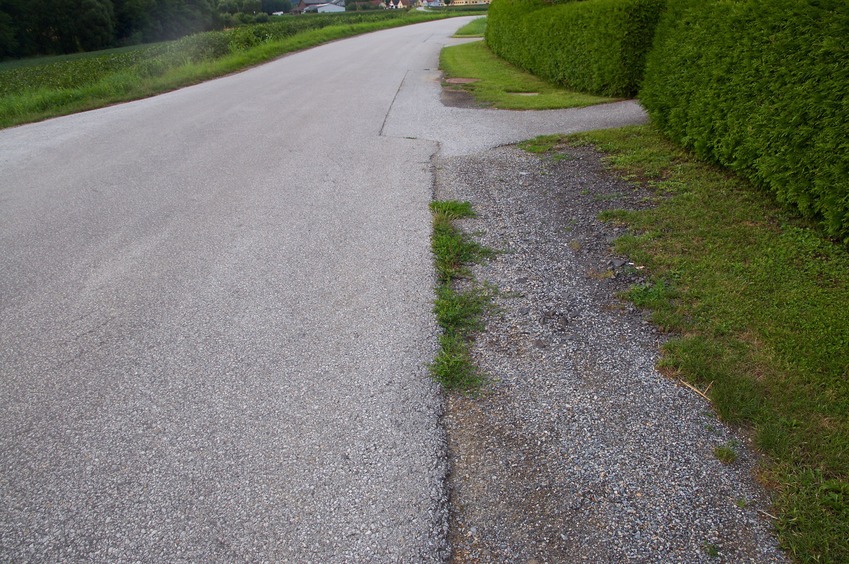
458,312
711,550
756,299
726,453
453,250
542,144
500,84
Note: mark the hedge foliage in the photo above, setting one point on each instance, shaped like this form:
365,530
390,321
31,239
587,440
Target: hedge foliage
763,88
596,46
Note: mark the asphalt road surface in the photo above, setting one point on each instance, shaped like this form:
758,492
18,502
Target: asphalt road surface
215,313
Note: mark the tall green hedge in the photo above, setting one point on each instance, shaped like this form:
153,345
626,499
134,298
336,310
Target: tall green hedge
596,46
763,88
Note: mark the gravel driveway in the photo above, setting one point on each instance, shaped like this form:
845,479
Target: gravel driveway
579,450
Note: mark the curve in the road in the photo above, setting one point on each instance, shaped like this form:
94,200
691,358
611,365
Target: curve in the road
215,314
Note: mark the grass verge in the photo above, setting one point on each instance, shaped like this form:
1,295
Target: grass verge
39,89
757,302
505,86
475,28
459,312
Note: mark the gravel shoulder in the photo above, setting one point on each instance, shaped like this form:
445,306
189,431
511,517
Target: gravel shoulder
578,449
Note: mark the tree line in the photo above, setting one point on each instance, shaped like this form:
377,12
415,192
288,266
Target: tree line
53,27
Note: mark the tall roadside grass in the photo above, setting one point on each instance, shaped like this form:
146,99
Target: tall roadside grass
35,90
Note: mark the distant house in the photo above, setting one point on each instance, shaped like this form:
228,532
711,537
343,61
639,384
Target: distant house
395,4
329,8
312,6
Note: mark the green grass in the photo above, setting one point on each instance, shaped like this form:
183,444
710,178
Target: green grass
458,312
36,89
757,304
726,453
505,86
711,550
475,28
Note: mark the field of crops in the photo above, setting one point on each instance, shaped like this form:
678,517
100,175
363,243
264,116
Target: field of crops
67,71
48,75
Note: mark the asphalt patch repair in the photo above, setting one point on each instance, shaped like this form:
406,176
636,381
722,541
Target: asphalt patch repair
577,449
454,95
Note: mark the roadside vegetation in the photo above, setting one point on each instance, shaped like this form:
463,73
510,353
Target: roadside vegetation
36,89
758,88
460,303
475,28
756,300
595,46
501,85
748,270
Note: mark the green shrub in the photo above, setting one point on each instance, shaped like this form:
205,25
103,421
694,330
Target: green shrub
504,29
596,46
760,87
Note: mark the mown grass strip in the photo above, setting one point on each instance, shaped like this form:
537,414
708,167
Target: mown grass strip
459,312
132,79
505,86
475,28
757,302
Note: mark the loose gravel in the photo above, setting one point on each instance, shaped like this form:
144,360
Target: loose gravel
578,449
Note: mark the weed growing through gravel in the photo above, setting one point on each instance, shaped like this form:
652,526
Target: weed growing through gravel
458,312
725,453
756,300
712,550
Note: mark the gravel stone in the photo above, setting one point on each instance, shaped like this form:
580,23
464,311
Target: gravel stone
578,449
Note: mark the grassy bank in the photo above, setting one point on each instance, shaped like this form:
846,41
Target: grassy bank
476,28
43,88
502,85
757,303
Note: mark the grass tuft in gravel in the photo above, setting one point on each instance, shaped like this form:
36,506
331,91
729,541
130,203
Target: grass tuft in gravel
458,312
757,302
725,453
453,250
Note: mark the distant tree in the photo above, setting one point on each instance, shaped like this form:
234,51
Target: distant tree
44,27
251,6
94,25
133,19
271,6
8,35
228,7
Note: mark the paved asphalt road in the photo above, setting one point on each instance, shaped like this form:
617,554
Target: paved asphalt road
215,314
